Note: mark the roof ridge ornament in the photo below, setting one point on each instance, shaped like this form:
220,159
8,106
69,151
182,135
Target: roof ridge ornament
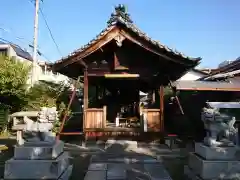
120,13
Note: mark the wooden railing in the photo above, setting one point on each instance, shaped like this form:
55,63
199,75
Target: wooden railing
153,119
95,118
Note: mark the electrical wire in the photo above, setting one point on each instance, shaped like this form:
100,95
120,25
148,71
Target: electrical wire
50,32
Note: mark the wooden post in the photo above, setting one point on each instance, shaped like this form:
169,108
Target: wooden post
85,96
161,95
104,116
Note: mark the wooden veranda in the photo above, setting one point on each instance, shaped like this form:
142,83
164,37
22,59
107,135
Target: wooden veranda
116,65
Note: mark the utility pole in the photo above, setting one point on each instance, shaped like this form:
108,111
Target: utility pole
35,42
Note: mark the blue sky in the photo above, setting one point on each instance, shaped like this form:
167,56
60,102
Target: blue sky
206,28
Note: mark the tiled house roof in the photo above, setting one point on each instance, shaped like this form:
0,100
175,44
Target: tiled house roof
19,51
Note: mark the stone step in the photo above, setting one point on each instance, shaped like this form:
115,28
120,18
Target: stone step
103,171
36,169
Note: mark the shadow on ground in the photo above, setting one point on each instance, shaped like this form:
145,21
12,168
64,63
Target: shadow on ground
6,154
125,155
81,158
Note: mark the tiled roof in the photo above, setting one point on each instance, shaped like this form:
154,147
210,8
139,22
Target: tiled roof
21,53
120,16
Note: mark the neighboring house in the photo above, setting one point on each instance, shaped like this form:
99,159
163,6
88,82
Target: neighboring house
48,75
226,70
43,69
192,75
225,78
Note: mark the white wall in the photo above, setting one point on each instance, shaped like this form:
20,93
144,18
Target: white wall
41,73
51,77
191,76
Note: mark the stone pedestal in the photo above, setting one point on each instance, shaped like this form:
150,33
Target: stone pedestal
215,153
39,161
213,163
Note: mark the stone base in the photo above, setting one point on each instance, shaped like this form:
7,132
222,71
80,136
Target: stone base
36,169
215,153
212,169
38,152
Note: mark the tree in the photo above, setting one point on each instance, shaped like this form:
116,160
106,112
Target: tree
13,82
45,94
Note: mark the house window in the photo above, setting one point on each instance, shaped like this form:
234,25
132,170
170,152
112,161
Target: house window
3,52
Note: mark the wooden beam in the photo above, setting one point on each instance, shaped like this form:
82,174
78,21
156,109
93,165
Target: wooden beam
71,133
121,75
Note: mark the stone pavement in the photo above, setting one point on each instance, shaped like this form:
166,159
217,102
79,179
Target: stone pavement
122,162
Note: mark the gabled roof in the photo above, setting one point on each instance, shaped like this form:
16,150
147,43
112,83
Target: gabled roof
121,17
19,51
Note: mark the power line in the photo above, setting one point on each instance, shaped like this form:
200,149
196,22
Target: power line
50,31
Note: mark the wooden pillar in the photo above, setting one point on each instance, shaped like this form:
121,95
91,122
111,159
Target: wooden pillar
161,95
85,95
104,116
